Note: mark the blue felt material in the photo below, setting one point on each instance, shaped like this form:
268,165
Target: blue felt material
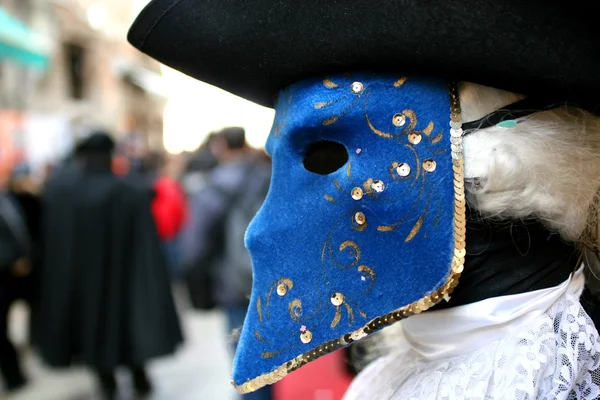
299,233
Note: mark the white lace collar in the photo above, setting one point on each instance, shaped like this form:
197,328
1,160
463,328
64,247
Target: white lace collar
459,330
552,356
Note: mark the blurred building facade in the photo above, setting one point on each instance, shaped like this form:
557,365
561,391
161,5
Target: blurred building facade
82,75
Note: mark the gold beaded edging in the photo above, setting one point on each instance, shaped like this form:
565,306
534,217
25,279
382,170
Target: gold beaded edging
417,307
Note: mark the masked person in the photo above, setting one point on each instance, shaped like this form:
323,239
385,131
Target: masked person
105,300
402,182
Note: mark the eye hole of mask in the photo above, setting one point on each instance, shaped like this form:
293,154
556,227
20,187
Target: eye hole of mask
325,157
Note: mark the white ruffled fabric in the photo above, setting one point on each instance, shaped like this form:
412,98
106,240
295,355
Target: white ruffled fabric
536,345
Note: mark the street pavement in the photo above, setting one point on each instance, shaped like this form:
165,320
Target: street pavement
200,370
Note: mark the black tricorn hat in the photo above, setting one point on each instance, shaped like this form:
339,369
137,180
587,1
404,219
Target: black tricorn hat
254,48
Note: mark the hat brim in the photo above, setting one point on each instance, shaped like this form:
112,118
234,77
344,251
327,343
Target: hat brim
255,48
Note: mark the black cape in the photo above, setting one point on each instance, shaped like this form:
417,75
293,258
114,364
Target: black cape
105,295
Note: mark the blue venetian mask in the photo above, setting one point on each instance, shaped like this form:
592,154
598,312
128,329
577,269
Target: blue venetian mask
375,236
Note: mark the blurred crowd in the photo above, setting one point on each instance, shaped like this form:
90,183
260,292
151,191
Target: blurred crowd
95,247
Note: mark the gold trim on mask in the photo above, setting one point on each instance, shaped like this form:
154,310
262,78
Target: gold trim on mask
416,307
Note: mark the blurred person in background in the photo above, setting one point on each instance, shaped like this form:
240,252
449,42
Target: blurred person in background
198,166
120,164
106,300
169,209
195,178
135,147
48,170
214,241
24,189
15,268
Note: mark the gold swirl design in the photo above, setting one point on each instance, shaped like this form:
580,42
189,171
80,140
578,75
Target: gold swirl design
259,336
395,164
283,281
356,227
330,121
322,104
364,270
287,282
330,84
400,81
417,162
335,118
428,129
349,244
350,314
423,304
337,317
259,310
438,138
294,305
413,120
329,198
417,175
414,230
407,113
282,117
368,186
337,184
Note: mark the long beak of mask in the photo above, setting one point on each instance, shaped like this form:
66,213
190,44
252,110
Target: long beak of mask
364,223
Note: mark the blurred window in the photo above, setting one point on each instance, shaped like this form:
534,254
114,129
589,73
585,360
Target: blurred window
75,56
